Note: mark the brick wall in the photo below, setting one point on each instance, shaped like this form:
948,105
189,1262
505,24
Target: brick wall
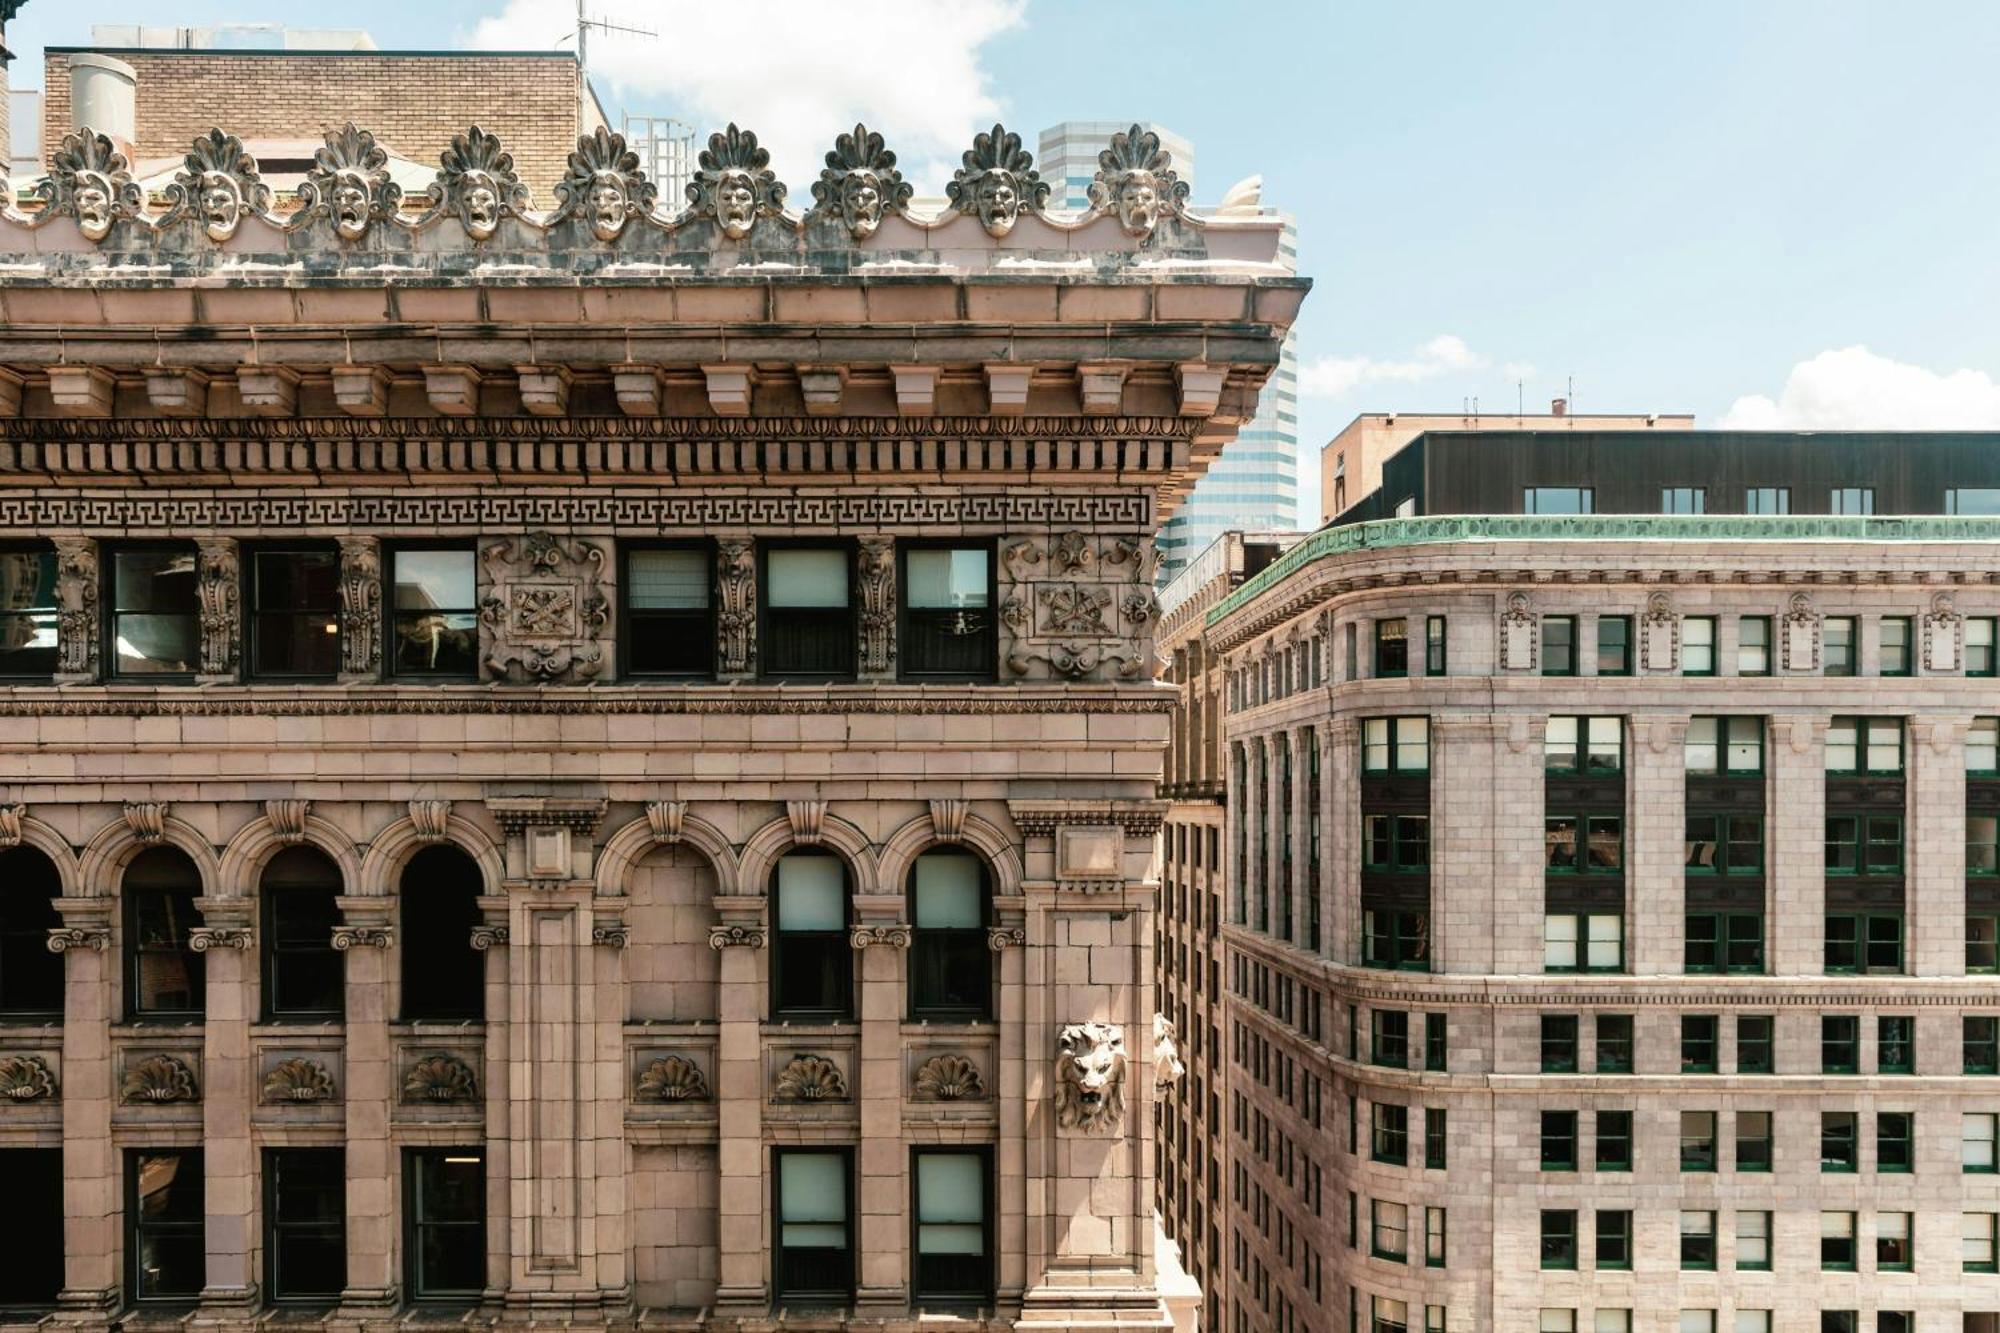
413,103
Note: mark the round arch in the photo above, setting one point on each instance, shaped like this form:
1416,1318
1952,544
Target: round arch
634,842
761,852
115,845
44,839
244,859
392,848
906,844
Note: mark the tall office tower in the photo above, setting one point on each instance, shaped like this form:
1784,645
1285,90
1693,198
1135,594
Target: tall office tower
1610,913
1066,155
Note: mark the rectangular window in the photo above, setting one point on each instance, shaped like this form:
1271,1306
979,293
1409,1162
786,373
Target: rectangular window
1697,1321
1980,645
1895,1142
1392,647
1592,745
33,1273
1558,645
1722,941
669,610
1387,1315
1614,1238
1839,1044
808,597
1979,1246
1389,1230
1836,1242
1558,1140
1982,845
1559,1238
164,974
1698,1240
951,968
303,975
1697,645
1870,943
1435,661
1753,1242
28,613
1683,500
1754,1044
433,613
1975,1137
1851,500
1972,500
1701,1042
1753,1321
164,1210
1982,1044
1982,746
1434,1237
949,628
1614,645
1396,744
1982,944
815,1225
1614,1043
1895,1044
1390,1140
1767,500
305,1211
1557,500
1389,1038
1864,845
445,1256
1723,745
812,963
1753,1140
1864,745
1556,1321
1559,1044
1611,1321
1435,1040
1697,1140
1399,940
1897,645
1587,943
953,1225
154,610
1396,843
1436,1139
1753,646
1839,1142
1614,1141
295,614
1837,655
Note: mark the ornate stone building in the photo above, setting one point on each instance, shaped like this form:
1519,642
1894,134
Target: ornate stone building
593,762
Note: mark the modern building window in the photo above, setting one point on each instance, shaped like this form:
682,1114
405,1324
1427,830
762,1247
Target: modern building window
1722,941
1836,1242
1837,646
295,613
444,977
1697,1140
1697,645
1701,1043
669,610
434,613
164,976
1558,1140
1558,645
305,1212
1697,1321
1895,1142
1614,1238
1389,1038
1864,745
1975,1135
1839,1044
1979,1245
1754,1044
1753,645
1614,1043
949,629
1972,500
302,973
1839,1321
954,1225
1396,843
1851,500
1436,1139
1392,647
445,1215
1697,1240
1753,1141
1435,645
1397,940
31,978
1611,1321
1753,1242
1724,745
1559,1238
1592,942
1839,1142
1614,1141
1386,1315
1870,943
815,1225
1557,500
1683,500
808,595
164,1210
1981,1039
1434,1238
1614,645
951,967
33,1273
1980,644
1592,745
28,613
1767,500
1897,645
1396,745
154,612
812,962
1895,1044
1390,1141
1559,1043
1389,1230
1982,747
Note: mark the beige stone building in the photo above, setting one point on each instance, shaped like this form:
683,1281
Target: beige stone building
1611,898
593,764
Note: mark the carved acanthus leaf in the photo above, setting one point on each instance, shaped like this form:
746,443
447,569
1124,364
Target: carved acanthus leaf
673,1079
811,1078
440,1078
158,1078
298,1079
288,819
147,820
948,818
431,819
949,1078
808,821
10,825
667,820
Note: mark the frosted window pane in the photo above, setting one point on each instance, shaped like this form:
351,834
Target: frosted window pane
948,892
806,578
812,1187
951,1187
811,894
668,580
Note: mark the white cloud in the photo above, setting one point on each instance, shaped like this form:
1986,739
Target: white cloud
1333,376
798,72
1851,388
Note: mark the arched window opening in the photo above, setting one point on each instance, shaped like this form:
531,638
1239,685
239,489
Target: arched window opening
31,978
302,973
951,967
812,963
163,974
444,977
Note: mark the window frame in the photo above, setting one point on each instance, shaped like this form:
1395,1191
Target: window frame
1583,944
1850,663
1692,1039
1382,640
192,1166
30,891
1754,1265
1863,942
44,553
276,1227
967,938
1885,1043
1720,931
1903,1161
1601,1042
1980,1054
191,959
1395,726
983,1153
1909,646
851,628
1767,647
1767,1043
1574,666
836,941
1586,500
629,616
990,635
1624,661
1604,1136
109,613
1558,1252
271,951
1713,646
1839,1143
1555,1129
1620,1236
251,573
1754,1163
1697,1264
1693,1164
1852,1239
1381,1133
415,1223
394,551
1437,646
1991,647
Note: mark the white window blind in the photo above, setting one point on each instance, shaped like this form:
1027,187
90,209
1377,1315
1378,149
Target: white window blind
811,893
812,1197
948,892
951,1204
667,580
806,578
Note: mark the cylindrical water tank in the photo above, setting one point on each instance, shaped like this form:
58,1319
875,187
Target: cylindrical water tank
103,95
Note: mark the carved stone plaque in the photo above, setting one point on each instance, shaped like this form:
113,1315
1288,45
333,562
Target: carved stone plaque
543,616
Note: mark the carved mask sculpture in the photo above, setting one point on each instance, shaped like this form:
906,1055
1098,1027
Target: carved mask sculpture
603,184
733,183
90,181
477,183
349,183
860,184
219,185
350,205
1135,180
607,206
735,204
1090,1077
996,181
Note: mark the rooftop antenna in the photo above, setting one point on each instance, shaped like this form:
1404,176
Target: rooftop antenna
1571,400
1520,397
584,23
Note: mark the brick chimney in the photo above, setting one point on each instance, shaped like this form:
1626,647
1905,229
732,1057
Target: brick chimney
1559,407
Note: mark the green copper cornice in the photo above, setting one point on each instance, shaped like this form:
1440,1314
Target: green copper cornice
1394,532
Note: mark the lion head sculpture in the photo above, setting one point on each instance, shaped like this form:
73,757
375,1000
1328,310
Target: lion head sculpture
1090,1077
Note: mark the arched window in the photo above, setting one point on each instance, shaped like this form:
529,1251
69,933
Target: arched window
163,974
443,975
31,978
951,968
812,963
302,973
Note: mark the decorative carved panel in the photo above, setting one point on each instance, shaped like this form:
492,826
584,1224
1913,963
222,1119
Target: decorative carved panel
360,608
543,616
736,618
221,607
1076,605
77,627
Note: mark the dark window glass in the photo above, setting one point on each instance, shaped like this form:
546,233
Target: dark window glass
1434,1042
445,1194
1614,1043
1871,943
814,1263
1435,645
1839,1142
808,612
954,1243
305,1247
1614,645
1436,1140
1559,1043
812,963
1982,1044
1558,1238
1836,1244
1753,1140
1558,645
669,616
302,973
33,1271
1839,1044
163,973
1697,1140
1614,1140
1700,1042
1389,1038
294,613
31,978
1558,1140
1895,1044
1895,1141
154,613
163,1225
1392,647
948,620
1614,1238
1391,1139
434,613
1754,1044
27,613
951,968
444,977
1396,940
1982,944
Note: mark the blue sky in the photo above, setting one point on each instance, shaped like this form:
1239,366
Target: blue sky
1680,206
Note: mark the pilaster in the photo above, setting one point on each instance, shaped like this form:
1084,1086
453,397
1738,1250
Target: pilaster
1934,873
92,1170
1797,851
368,1077
232,1232
740,934
1655,858
880,942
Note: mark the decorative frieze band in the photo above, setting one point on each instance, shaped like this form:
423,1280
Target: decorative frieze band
25,702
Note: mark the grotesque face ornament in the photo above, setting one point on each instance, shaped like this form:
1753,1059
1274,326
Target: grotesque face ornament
218,185
861,200
999,202
90,181
859,185
733,183
1135,182
735,204
603,186
481,210
606,205
996,181
476,183
350,205
1139,203
93,205
221,205
349,183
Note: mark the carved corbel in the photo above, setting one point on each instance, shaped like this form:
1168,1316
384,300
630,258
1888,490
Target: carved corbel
360,610
361,391
203,938
1200,387
94,938
736,618
10,825
268,391
1005,937
916,390
640,389
288,819
431,819
1102,388
948,818
147,820
453,390
729,389
738,936
1007,388
808,820
823,388
11,383
616,937
878,606
667,820
177,392
82,391
895,936
485,937
544,390
77,621
221,619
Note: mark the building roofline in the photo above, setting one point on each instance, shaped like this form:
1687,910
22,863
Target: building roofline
348,53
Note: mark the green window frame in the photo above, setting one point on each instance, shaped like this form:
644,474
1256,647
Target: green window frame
1614,645
1698,649
1839,1044
1396,844
1895,1252
1839,651
1839,1143
1716,744
1559,1239
1614,1043
1559,646
1436,1138
1436,1041
1979,1242
1753,1249
1753,645
1697,1136
1754,1142
1723,942
1559,1043
1837,1243
1981,1041
1386,1229
1389,1038
1389,1133
1982,845
1895,1142
1577,743
1982,943
1701,1043
1558,1140
1697,1241
1396,941
1864,745
1583,942
1870,943
1976,1150
1392,648
1755,1044
1614,1141
1895,1044
1613,1251
1583,844
1982,646
1864,844
1435,1223
1436,646
1896,646
1395,745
